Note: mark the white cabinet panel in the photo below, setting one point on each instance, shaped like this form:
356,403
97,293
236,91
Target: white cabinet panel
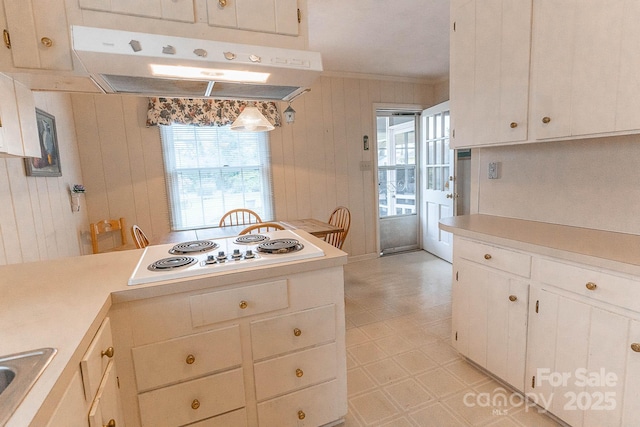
96,358
39,34
106,406
266,16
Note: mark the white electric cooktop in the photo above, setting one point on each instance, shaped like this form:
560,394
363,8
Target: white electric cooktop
202,257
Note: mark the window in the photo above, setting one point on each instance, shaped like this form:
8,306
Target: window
396,165
211,170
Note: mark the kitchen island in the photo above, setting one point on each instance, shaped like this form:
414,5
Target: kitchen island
63,303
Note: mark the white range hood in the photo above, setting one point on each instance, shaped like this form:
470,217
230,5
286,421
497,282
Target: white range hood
152,64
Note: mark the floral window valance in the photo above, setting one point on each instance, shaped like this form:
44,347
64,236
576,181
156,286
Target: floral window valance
203,112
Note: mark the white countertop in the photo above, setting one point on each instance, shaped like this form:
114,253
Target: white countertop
604,249
61,303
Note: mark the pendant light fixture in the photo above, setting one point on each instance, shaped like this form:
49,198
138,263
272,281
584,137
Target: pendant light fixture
251,120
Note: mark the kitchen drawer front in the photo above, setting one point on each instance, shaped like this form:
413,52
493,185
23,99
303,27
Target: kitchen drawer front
601,286
313,406
106,405
218,306
494,257
291,332
186,357
231,419
193,401
295,371
95,360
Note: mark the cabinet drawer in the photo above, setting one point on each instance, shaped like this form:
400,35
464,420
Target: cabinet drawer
293,331
231,419
313,406
494,256
94,362
602,286
186,357
106,405
193,401
295,371
214,307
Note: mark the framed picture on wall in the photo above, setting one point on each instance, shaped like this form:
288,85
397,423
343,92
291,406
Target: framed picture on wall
49,163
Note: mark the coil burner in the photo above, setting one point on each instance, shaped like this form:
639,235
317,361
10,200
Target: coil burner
280,246
251,239
171,263
193,246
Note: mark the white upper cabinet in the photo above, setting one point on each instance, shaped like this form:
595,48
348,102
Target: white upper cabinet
267,16
531,70
490,47
170,10
18,131
38,34
576,53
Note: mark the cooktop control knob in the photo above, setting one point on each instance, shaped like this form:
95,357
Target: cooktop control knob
236,254
249,254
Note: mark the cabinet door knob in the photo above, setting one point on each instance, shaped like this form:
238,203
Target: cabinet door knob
487,256
513,125
591,286
195,404
108,352
111,423
513,298
299,372
635,347
297,332
301,415
546,119
46,42
222,3
190,359
243,304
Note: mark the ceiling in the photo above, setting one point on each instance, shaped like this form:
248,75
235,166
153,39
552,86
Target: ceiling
398,38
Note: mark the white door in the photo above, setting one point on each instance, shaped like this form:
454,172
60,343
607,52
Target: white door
437,180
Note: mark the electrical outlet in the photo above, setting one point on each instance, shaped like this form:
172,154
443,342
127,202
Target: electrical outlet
493,170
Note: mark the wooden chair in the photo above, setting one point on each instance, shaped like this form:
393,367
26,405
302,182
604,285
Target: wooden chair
239,217
108,226
340,217
139,238
262,228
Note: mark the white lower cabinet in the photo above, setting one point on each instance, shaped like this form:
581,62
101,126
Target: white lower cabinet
269,353
92,398
574,330
490,311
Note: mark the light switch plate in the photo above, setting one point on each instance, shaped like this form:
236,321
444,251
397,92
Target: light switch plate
493,170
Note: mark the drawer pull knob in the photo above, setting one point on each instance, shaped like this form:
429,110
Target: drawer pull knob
243,304
513,125
222,3
546,119
190,359
591,286
299,372
195,404
513,298
111,423
635,347
108,352
297,332
46,42
487,256
301,415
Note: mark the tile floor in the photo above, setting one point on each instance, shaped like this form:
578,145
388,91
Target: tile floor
401,369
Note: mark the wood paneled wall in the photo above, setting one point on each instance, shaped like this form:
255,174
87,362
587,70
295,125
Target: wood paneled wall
36,221
316,160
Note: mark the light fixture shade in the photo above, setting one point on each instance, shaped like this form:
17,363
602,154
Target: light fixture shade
289,114
251,120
